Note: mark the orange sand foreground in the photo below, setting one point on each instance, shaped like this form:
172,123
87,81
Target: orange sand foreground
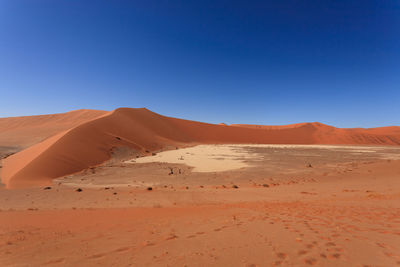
134,188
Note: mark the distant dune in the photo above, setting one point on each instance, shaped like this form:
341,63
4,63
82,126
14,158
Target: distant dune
80,139
255,126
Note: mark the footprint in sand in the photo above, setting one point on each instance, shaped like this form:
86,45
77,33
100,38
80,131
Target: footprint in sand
310,261
171,237
302,252
96,256
281,255
123,249
310,246
330,244
55,261
148,244
335,256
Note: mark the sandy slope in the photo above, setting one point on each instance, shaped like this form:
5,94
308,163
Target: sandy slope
91,143
26,131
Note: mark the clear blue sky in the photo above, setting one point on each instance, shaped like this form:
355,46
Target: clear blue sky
259,62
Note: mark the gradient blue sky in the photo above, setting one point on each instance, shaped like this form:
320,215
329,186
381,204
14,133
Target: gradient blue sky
259,62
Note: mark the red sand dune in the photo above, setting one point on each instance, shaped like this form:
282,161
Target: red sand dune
28,130
255,126
90,143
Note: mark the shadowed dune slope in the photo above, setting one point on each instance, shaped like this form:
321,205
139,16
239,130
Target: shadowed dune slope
92,142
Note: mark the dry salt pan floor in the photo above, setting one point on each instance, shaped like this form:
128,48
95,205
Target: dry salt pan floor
214,158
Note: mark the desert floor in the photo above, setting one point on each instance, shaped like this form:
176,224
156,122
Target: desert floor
216,205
